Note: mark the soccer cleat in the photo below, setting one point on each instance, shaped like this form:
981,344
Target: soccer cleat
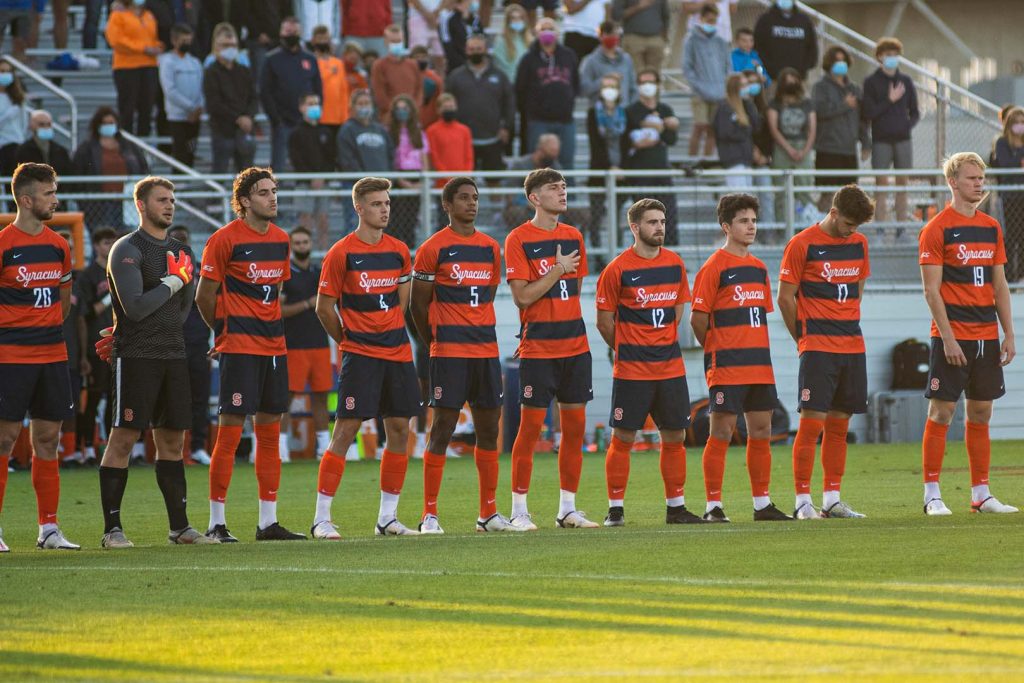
394,528
495,522
936,508
716,514
220,532
276,532
575,520
430,525
990,504
841,510
616,516
806,511
189,536
680,515
54,540
115,540
3,546
770,513
523,522
325,531
201,457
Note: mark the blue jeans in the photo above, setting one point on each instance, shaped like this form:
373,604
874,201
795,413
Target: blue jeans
566,132
279,134
239,148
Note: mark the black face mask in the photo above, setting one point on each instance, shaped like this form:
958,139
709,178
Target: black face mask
184,47
300,255
290,42
423,64
322,47
449,114
476,59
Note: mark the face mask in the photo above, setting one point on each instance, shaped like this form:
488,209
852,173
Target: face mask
6,78
184,47
45,133
891,62
1017,128
290,42
709,28
745,91
477,59
547,38
610,95
474,7
396,49
647,89
785,5
108,130
401,115
322,48
423,64
300,255
229,53
517,26
364,113
313,112
754,89
840,69
610,42
449,115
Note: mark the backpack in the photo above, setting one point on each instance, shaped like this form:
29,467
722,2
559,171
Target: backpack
700,423
910,360
780,426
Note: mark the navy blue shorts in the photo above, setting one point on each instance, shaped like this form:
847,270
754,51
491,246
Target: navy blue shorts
567,379
667,401
368,387
457,381
151,392
741,398
42,390
981,379
251,384
833,381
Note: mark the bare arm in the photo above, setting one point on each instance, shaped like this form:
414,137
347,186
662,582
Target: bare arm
326,311
206,300
1002,293
606,326
931,276
787,307
65,302
404,294
422,295
812,132
699,321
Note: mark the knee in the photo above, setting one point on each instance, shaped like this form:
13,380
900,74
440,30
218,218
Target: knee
6,444
45,445
759,432
979,414
941,412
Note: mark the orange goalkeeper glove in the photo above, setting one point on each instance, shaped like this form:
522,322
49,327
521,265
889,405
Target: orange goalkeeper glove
179,271
105,346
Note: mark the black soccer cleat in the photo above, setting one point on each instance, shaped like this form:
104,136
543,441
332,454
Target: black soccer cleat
276,532
616,516
221,533
716,515
770,513
680,515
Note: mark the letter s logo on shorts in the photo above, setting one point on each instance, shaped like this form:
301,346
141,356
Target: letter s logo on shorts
935,384
350,403
618,413
805,395
437,393
719,398
236,399
129,415
528,391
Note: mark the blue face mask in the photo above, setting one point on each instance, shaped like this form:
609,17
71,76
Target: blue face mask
313,112
517,26
45,133
891,62
840,69
108,130
745,91
401,114
396,49
753,90
6,78
785,5
709,28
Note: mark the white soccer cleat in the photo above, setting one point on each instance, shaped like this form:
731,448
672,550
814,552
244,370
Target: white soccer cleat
430,525
3,546
575,520
54,540
841,510
325,531
990,504
352,454
138,456
495,522
201,457
523,522
394,528
190,536
806,511
936,508
115,540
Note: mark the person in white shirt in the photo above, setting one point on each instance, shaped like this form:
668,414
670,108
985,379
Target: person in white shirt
581,23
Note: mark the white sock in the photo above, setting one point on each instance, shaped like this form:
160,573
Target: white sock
829,498
282,446
323,441
268,513
761,502
519,504
46,528
979,493
675,502
931,490
712,504
803,499
615,503
323,508
566,502
216,514
388,507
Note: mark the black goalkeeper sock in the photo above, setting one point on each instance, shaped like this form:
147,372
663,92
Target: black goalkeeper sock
112,484
170,477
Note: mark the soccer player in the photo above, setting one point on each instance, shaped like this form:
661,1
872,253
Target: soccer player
35,296
962,259
824,268
309,356
151,289
545,263
364,293
640,298
244,264
456,274
732,297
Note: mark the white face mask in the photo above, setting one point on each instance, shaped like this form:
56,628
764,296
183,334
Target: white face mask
609,95
647,89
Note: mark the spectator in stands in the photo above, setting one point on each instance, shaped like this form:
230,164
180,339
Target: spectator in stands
369,58
514,40
311,150
364,146
744,57
258,21
352,55
41,148
422,24
645,27
433,86
395,74
487,104
289,72
411,154
18,15
14,117
1009,153
451,143
231,102
785,37
705,67
606,124
106,153
726,8
581,25
793,124
544,155
763,145
365,21
651,128
734,124
547,80
181,77
334,82
455,24
609,58
837,102
890,104
132,34
98,314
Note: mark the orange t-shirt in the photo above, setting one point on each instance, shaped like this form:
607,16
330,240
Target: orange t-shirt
736,294
335,89
250,268
33,271
643,294
451,148
552,326
465,272
829,272
967,249
365,279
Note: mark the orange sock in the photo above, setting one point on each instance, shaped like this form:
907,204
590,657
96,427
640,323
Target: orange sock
268,460
328,479
4,460
570,451
759,466
46,482
673,468
616,468
531,421
67,443
222,461
979,452
433,471
833,452
804,445
487,474
933,449
392,471
714,468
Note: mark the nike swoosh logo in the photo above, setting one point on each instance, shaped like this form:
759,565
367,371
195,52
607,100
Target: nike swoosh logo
617,490
501,395
114,512
490,501
248,252
732,276
537,250
634,279
452,253
357,262
16,256
821,253
955,234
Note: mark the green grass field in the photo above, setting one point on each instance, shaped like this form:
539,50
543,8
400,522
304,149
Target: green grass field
894,596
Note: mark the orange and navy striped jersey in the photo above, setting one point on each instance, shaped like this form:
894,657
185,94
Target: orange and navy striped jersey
643,294
250,268
465,271
551,327
967,249
33,271
829,272
736,294
365,279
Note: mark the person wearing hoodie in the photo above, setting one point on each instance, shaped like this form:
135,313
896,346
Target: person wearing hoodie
310,149
132,34
735,122
606,59
745,57
395,73
181,77
547,81
486,105
705,66
785,37
364,146
837,102
231,104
